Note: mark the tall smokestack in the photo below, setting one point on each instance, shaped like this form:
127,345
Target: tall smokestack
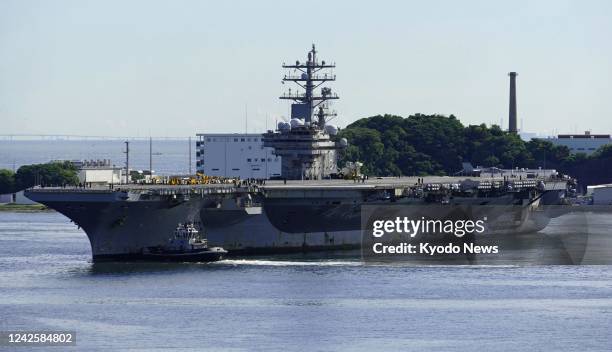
512,112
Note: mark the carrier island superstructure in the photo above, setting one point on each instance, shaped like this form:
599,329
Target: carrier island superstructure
305,210
305,145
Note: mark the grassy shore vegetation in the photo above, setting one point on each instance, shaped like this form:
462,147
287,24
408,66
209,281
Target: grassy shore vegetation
391,145
23,207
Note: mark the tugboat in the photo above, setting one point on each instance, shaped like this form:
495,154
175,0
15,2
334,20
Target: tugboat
186,245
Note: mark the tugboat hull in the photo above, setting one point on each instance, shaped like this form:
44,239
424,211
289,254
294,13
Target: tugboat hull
212,254
209,255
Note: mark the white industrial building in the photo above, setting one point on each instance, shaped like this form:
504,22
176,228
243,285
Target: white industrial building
586,143
98,172
236,155
602,194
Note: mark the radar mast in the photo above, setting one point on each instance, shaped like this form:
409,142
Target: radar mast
309,76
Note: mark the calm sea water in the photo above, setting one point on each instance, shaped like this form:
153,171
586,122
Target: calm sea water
170,156
291,303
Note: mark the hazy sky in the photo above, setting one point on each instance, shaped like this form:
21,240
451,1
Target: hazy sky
174,68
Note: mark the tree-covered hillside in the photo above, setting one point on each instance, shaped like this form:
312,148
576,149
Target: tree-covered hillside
392,145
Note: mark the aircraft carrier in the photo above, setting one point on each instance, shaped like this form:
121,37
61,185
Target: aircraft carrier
277,217
306,210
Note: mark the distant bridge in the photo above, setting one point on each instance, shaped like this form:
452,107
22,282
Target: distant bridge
78,137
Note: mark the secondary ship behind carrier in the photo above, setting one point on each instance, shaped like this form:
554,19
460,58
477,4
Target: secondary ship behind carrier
306,211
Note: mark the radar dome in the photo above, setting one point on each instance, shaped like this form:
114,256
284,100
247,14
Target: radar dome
297,123
331,130
284,126
344,142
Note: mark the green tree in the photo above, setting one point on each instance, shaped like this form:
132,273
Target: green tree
603,152
547,155
365,146
50,174
7,181
417,145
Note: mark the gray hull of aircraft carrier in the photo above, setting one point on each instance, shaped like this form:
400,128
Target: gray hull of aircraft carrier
273,218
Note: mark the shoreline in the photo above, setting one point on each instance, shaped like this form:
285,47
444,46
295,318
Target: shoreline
24,208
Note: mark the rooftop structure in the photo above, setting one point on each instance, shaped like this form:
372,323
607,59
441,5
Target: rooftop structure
586,135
